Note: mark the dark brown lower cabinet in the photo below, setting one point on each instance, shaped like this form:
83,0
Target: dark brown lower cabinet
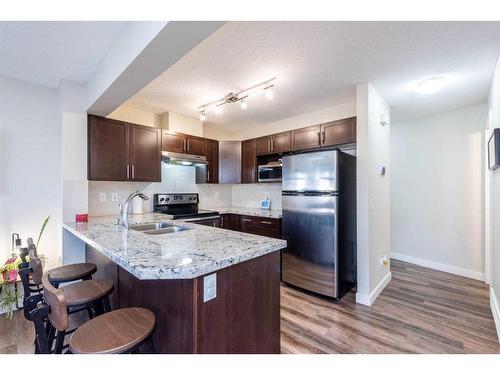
269,227
243,318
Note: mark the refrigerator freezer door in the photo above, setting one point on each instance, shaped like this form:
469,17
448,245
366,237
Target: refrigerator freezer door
310,227
315,171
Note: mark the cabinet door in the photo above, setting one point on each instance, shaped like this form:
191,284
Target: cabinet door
212,150
107,149
338,132
280,142
173,142
268,227
229,162
248,162
145,153
263,145
305,138
195,145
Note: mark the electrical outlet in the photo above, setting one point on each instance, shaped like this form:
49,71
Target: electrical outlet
384,261
102,197
372,204
114,197
209,287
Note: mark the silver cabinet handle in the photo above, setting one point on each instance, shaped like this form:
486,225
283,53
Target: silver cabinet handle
184,144
133,172
246,219
128,171
208,175
188,144
265,222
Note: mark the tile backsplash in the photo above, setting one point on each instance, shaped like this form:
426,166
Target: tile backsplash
180,179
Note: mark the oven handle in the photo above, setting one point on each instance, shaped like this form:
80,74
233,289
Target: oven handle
201,218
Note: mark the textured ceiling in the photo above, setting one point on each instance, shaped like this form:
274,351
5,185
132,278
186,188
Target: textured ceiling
318,65
46,52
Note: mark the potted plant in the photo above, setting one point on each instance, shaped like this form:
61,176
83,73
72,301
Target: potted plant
8,300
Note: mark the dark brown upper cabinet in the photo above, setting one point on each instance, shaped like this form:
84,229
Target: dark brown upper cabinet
280,142
212,151
173,142
338,132
263,145
144,153
273,144
120,151
107,149
195,145
306,138
248,161
183,143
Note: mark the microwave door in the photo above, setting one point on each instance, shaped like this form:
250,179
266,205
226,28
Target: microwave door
269,173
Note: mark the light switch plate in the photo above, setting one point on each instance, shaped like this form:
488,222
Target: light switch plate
114,197
209,287
102,197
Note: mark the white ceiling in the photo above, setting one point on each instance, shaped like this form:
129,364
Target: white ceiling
318,65
47,52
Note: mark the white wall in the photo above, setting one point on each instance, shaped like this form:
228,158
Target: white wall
494,188
373,193
437,190
30,165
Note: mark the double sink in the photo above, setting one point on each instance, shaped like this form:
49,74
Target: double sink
156,228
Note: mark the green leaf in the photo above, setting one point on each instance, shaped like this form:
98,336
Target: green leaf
41,230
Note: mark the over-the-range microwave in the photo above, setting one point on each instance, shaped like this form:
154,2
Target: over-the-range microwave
270,172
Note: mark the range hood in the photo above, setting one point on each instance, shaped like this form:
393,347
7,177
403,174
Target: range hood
183,159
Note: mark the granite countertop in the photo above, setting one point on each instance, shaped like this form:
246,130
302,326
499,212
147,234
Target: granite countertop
276,214
187,254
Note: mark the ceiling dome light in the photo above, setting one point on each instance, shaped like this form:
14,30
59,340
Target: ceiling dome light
203,117
218,109
244,104
429,85
269,94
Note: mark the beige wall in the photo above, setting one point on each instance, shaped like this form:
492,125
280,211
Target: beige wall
177,122
136,116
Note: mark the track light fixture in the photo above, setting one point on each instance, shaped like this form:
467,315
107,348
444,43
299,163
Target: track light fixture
239,97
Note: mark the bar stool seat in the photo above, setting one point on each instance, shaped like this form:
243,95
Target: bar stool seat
118,331
86,291
71,272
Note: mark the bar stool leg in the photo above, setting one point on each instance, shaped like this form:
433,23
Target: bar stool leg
90,313
59,342
106,304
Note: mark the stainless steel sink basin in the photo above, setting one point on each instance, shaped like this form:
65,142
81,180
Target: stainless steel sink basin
156,228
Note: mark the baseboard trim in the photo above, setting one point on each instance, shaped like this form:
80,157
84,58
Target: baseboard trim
495,310
368,300
439,266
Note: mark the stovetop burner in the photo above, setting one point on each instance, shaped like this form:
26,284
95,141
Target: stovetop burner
180,206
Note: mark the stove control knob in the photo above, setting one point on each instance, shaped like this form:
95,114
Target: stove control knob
167,199
162,199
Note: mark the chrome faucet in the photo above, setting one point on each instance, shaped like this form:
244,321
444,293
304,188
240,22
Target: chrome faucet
124,208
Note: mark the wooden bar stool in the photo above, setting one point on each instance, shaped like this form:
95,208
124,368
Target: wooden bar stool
90,295
119,331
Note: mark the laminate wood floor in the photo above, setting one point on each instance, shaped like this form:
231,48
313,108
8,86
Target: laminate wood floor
420,311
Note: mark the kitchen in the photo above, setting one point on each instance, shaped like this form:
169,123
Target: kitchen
248,210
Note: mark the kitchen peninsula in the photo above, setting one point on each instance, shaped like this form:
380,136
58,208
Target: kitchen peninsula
167,274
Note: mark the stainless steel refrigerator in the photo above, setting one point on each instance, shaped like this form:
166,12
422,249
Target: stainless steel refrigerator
319,222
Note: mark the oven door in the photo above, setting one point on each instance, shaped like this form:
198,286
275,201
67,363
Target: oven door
267,173
211,221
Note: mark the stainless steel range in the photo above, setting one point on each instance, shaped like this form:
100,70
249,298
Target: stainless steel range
182,206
